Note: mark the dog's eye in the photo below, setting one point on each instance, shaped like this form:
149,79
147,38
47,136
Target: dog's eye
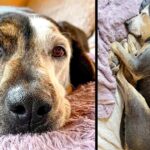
58,51
1,51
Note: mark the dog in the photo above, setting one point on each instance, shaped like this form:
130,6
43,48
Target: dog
40,62
133,78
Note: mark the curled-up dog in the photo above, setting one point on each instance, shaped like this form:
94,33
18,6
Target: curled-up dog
133,78
40,60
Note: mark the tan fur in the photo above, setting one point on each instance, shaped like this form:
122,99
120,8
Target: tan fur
8,29
145,28
69,89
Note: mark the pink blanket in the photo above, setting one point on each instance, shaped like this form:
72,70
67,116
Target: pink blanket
111,17
78,134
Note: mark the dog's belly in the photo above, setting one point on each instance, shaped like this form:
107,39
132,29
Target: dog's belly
143,86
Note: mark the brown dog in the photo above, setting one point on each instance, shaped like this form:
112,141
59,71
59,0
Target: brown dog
134,82
39,60
135,63
135,134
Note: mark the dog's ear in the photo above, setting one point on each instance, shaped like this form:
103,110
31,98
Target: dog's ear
82,69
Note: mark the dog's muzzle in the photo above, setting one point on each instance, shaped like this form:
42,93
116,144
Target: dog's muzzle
26,109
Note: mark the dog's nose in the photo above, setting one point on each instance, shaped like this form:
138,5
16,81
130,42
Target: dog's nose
26,108
36,110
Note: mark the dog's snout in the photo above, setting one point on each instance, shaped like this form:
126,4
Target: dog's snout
25,108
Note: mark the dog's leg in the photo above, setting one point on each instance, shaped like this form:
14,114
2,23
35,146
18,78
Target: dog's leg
129,60
137,116
125,44
113,62
137,65
131,45
134,46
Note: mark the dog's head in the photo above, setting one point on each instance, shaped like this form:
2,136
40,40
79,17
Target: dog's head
39,60
140,24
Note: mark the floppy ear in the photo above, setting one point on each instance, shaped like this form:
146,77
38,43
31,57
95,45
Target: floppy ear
81,67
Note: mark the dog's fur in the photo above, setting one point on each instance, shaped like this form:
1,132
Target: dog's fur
27,65
135,62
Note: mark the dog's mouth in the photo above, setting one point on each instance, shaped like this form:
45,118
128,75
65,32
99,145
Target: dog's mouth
31,129
39,127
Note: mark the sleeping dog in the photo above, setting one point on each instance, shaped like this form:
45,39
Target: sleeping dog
40,60
133,78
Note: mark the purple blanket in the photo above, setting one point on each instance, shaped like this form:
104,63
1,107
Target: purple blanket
111,17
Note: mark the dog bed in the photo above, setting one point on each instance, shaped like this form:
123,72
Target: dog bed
77,134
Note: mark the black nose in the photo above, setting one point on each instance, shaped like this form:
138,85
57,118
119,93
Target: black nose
25,108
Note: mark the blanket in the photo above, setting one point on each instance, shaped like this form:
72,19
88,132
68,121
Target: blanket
111,17
77,134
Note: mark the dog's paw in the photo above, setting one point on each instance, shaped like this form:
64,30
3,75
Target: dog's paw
133,45
115,46
125,44
113,62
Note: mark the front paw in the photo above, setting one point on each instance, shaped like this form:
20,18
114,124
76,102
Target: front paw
134,46
116,47
113,62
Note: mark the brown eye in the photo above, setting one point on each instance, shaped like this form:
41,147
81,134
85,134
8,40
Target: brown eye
58,51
